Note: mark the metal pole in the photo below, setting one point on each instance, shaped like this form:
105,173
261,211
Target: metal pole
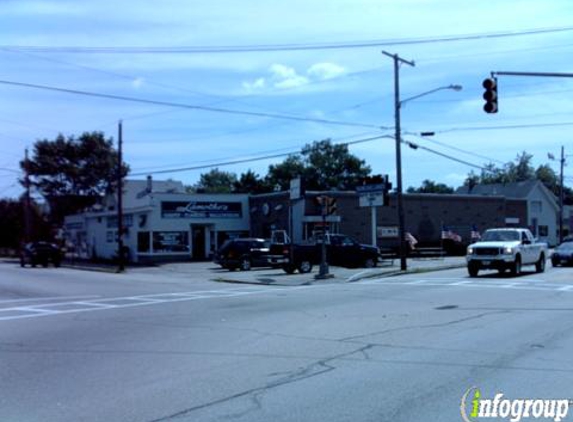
400,200
373,223
27,202
561,196
323,269
121,266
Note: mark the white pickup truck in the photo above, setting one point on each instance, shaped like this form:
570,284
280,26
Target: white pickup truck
506,249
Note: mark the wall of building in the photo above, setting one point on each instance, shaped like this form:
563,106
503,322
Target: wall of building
425,215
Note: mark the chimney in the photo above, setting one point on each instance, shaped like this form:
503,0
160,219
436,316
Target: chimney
149,184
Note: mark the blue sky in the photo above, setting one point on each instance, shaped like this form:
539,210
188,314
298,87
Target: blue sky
353,85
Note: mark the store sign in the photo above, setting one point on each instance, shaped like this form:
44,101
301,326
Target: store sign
387,232
201,209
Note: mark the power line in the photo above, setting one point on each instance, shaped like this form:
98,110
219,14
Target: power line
190,106
290,149
247,160
441,154
503,127
463,151
282,47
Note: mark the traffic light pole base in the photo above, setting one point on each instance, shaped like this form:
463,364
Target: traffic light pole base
323,276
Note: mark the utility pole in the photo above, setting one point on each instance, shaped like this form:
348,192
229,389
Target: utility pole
562,162
27,201
121,265
397,105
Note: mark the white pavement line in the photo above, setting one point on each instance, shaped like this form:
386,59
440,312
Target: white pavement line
35,299
417,282
96,305
565,288
460,283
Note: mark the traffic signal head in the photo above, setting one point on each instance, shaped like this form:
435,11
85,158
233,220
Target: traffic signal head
331,205
490,95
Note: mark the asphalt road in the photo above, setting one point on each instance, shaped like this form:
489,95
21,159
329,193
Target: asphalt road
153,345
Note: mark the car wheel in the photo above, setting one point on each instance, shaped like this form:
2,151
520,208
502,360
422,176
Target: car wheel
22,263
305,267
289,268
473,269
370,263
516,269
540,265
245,264
57,264
554,263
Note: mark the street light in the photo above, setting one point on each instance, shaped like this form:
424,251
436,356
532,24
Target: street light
397,106
453,87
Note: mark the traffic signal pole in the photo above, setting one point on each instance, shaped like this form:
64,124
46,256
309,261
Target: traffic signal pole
546,75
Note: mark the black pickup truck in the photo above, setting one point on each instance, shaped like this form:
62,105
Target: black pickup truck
341,250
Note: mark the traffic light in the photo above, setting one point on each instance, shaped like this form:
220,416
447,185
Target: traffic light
331,205
490,95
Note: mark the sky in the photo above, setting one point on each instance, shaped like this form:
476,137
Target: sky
230,90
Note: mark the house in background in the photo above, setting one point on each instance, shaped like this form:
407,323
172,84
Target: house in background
542,206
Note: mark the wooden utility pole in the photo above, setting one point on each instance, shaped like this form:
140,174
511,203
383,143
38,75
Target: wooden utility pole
120,257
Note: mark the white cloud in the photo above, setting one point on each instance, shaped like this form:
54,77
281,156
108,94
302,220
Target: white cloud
257,84
286,77
325,70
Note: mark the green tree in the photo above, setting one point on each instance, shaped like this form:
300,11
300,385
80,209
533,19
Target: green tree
323,166
520,170
215,181
280,175
429,186
73,173
250,182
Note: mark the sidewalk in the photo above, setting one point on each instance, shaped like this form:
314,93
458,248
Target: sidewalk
277,277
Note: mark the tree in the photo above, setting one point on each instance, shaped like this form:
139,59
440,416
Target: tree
323,166
215,181
250,182
73,173
280,175
429,186
520,170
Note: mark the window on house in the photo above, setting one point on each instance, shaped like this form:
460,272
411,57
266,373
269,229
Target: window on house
543,231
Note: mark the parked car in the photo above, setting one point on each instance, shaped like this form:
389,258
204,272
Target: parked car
506,249
243,253
40,253
341,250
563,254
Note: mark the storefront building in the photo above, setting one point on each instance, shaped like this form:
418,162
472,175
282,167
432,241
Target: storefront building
161,222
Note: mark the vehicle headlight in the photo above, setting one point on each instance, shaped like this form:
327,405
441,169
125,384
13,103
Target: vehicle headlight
470,251
508,250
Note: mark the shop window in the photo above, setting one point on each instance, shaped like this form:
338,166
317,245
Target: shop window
170,242
143,242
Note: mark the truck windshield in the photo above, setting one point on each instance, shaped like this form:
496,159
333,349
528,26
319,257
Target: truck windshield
500,235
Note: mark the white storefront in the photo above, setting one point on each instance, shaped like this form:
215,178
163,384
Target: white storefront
161,222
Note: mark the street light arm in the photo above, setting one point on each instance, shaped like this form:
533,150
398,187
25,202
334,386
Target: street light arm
423,94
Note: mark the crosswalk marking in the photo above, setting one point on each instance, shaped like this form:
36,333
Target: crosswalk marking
107,303
517,284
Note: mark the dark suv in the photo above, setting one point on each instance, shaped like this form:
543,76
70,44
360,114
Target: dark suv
243,253
40,253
